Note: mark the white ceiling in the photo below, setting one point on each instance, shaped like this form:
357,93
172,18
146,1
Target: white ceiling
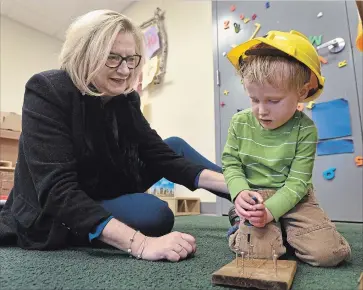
53,17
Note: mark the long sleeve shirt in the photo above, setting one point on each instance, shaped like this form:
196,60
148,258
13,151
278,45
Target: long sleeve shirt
281,159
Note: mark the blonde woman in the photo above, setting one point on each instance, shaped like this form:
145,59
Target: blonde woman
87,154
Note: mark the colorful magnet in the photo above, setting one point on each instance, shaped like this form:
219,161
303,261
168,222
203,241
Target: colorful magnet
358,160
224,53
267,4
323,60
246,20
233,7
300,106
258,26
315,39
223,104
226,24
254,16
329,173
241,17
237,27
310,105
226,92
342,63
320,14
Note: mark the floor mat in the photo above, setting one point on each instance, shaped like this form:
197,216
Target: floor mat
87,268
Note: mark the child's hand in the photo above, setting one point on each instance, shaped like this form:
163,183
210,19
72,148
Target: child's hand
244,203
260,218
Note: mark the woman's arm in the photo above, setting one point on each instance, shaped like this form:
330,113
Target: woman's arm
212,180
119,235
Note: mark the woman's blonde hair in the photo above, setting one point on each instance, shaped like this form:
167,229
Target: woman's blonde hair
279,71
89,40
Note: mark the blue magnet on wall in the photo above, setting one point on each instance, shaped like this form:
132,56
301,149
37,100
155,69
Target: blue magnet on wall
329,173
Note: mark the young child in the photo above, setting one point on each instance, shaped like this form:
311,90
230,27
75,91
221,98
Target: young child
270,151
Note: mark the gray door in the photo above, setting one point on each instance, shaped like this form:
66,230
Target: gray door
341,197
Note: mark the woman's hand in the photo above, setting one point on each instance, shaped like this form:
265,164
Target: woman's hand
174,247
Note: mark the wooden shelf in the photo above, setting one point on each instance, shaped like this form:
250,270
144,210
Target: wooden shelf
8,134
183,205
9,143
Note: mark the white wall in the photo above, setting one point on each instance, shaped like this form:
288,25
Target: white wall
24,52
184,105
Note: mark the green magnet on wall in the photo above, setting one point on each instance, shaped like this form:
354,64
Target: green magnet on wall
237,27
329,173
315,39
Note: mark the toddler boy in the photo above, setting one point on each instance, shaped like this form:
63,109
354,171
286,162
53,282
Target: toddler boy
270,151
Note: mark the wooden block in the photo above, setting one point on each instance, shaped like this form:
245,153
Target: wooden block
257,273
360,281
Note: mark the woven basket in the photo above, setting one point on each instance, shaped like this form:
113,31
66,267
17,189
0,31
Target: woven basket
6,178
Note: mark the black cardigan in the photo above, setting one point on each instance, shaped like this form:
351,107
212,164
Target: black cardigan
74,151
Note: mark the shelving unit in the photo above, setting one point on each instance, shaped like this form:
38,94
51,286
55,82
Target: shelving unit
182,206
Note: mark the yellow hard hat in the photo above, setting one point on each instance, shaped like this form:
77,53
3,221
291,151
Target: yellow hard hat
294,44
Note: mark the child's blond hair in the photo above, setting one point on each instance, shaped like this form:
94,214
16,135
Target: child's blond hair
281,72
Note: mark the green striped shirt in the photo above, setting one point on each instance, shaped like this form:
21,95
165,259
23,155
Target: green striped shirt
281,159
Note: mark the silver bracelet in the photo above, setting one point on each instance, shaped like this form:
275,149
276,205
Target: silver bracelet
139,256
131,241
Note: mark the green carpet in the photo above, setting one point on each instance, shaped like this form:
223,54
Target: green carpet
110,269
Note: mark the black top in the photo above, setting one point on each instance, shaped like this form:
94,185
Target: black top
74,151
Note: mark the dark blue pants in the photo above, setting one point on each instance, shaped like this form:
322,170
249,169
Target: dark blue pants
147,213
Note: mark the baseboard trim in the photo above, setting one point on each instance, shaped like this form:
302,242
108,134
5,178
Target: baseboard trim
208,208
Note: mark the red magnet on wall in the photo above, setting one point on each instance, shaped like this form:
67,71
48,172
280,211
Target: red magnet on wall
323,59
226,24
233,7
223,104
242,17
254,16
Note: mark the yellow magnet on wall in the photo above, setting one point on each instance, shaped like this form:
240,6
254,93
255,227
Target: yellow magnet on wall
258,26
226,92
342,63
310,105
246,20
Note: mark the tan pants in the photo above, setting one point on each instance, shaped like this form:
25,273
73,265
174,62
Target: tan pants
309,231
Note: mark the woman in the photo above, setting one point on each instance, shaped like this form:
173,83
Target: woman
87,155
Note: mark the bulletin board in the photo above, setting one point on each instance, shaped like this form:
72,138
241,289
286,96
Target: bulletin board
337,175
156,49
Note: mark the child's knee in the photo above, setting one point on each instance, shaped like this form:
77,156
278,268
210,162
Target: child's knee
328,257
323,247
